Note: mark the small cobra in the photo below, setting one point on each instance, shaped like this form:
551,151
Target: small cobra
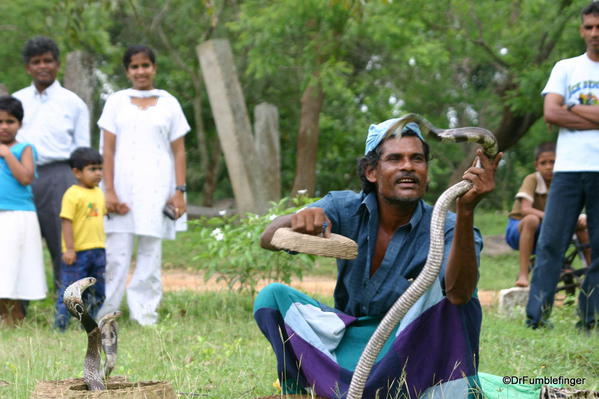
93,375
431,269
109,334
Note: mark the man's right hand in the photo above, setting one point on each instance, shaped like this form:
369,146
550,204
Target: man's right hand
313,221
307,221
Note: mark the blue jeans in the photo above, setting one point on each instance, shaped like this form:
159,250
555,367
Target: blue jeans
89,263
569,192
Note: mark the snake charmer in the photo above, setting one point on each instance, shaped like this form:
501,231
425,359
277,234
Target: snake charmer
435,347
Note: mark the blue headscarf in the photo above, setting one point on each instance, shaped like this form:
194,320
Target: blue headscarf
377,133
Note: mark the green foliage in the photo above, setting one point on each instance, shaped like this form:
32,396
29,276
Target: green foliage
375,60
208,345
229,249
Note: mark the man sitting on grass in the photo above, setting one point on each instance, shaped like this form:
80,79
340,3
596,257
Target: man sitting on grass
435,348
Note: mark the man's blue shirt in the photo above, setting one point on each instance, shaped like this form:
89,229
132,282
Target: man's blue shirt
355,215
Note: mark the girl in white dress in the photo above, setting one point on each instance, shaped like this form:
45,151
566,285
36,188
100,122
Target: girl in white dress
21,264
143,131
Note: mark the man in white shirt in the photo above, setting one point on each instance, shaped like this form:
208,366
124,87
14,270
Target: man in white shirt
56,122
572,103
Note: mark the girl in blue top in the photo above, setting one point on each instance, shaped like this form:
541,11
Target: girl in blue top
21,264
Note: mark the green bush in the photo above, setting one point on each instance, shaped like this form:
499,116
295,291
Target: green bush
229,248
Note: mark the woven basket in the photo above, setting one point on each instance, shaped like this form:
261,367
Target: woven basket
117,388
549,392
337,246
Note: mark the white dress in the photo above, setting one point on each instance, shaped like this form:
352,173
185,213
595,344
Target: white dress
144,171
21,260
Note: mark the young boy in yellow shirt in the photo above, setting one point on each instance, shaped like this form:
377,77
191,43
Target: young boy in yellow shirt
83,238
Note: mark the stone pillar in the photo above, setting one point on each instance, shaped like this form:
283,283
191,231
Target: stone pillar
80,78
268,147
245,165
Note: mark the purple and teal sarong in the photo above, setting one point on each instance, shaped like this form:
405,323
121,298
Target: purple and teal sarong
433,353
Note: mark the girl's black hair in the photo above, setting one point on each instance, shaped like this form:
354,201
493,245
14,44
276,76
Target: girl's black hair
13,106
138,48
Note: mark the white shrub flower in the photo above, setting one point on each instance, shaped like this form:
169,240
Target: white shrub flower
218,234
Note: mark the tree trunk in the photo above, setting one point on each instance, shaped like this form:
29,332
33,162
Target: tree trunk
233,126
513,127
210,152
79,77
307,139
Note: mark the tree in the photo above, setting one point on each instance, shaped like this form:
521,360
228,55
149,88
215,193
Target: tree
458,63
305,39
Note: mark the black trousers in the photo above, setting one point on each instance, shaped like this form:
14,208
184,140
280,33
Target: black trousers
52,181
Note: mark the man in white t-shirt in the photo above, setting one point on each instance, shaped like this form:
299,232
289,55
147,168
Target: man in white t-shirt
56,122
572,103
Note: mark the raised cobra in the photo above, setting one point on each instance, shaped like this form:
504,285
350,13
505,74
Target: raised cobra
431,269
103,337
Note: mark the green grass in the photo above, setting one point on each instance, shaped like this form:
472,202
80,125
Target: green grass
508,348
208,345
498,272
490,222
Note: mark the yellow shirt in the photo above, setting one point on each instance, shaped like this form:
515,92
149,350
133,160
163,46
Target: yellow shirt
85,208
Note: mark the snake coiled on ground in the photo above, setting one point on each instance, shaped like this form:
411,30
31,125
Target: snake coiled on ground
432,267
101,336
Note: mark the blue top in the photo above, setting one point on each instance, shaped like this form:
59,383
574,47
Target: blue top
13,195
355,215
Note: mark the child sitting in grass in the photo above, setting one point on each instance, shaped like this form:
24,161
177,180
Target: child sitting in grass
524,223
83,238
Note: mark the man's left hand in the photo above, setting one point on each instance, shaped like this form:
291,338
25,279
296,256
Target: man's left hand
482,178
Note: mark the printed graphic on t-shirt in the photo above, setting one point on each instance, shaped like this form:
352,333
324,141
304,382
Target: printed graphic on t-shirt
92,210
586,98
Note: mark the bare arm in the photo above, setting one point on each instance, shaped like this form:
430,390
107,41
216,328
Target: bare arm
69,256
24,170
109,147
461,274
266,237
527,209
557,114
588,112
178,199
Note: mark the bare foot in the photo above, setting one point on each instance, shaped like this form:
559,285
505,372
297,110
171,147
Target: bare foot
522,281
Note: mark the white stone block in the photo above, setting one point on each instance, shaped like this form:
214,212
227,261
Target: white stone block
512,298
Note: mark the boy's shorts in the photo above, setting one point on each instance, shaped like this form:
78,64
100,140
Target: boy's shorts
512,234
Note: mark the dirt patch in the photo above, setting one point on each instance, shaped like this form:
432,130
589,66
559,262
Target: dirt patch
495,245
183,280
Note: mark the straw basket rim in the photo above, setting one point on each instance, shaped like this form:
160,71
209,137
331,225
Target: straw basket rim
118,387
